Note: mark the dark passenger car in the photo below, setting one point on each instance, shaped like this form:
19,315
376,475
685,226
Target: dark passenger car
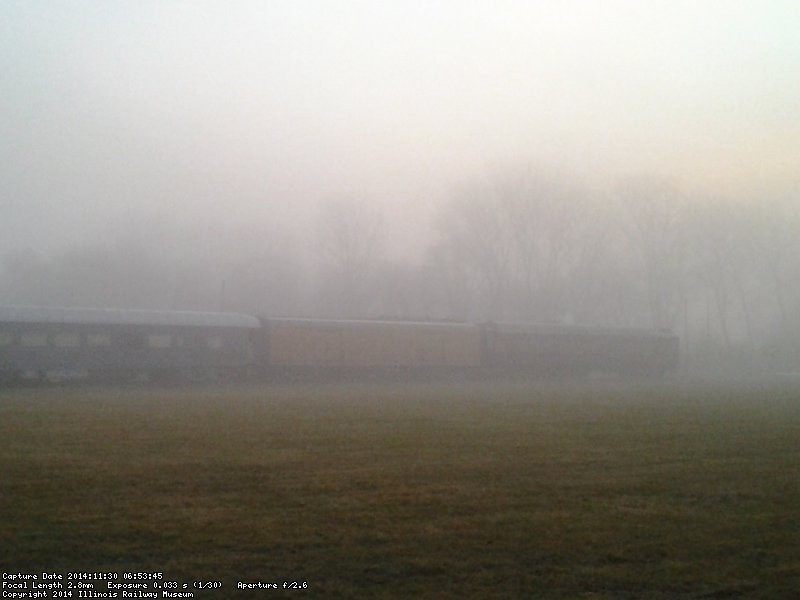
60,342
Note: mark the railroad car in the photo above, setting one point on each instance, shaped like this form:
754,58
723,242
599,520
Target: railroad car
555,350
310,346
38,343
72,343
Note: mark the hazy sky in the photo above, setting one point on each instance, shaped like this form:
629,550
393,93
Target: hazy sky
210,114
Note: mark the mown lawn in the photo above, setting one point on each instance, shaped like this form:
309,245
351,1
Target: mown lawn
392,491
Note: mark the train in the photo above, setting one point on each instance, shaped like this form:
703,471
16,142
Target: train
42,344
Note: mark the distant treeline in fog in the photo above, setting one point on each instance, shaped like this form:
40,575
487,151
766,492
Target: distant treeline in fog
526,247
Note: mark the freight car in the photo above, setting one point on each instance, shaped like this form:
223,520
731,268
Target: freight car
94,343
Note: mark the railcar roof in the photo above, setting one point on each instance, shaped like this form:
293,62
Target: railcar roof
111,316
386,323
553,329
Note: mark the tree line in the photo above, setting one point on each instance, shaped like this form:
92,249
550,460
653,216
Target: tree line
526,246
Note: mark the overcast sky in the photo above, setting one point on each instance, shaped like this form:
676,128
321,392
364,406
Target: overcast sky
122,114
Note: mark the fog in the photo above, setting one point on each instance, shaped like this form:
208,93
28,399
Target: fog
618,163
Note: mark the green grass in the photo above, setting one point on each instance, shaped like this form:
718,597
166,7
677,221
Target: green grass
390,491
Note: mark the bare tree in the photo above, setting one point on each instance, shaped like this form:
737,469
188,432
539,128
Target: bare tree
545,214
604,288
476,241
350,244
717,264
775,246
518,235
655,211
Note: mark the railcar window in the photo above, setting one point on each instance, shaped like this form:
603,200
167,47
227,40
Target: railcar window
6,338
159,340
131,340
234,342
33,339
98,339
67,340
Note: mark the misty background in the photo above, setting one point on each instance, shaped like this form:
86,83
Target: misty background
618,164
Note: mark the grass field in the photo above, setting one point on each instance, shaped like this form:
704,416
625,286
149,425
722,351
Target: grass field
392,491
